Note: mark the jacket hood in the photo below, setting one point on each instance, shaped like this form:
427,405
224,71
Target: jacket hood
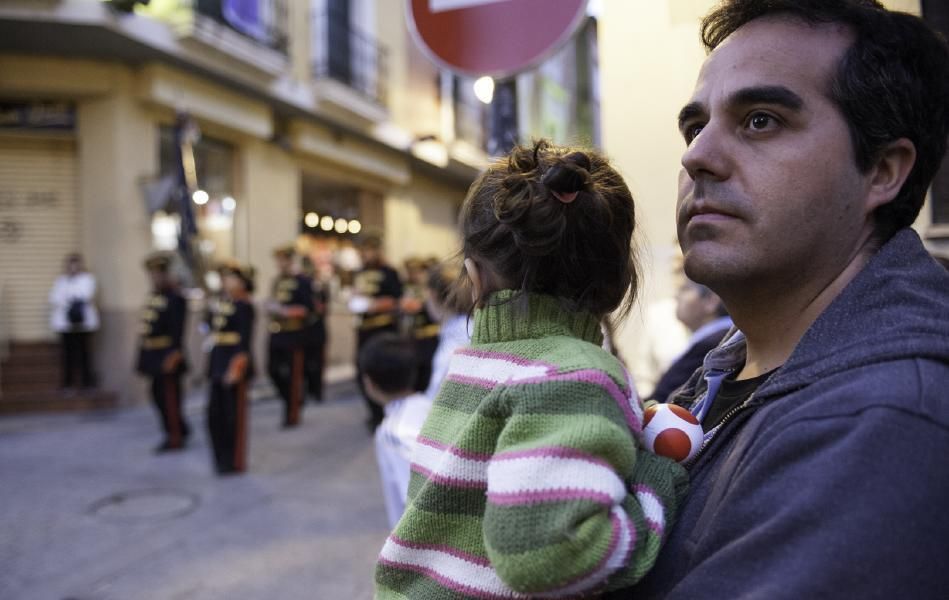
897,307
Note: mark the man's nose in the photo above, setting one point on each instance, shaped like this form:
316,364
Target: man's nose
707,155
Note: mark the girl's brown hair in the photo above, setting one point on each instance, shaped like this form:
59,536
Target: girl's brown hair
523,222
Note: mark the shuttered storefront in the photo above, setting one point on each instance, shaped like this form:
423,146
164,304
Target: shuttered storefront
39,225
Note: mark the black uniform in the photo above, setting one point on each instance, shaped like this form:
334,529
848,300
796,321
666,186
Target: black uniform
376,282
163,324
286,355
424,331
232,323
315,341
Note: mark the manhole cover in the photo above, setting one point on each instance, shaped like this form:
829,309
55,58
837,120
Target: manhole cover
145,505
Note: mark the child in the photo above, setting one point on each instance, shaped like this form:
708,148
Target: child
528,478
388,366
230,367
450,311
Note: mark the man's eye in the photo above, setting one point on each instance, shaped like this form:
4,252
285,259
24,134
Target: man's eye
691,131
760,121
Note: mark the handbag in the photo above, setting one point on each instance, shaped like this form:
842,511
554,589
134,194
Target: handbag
76,313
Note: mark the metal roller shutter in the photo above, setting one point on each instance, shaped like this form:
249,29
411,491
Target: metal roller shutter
39,225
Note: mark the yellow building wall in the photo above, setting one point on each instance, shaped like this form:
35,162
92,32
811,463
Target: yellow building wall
421,220
650,55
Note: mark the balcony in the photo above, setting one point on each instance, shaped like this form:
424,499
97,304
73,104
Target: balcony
251,32
349,68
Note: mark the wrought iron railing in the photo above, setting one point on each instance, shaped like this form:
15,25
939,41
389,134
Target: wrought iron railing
264,21
352,57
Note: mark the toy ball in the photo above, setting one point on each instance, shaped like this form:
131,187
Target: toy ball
671,431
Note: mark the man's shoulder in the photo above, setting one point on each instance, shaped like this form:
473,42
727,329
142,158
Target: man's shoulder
911,387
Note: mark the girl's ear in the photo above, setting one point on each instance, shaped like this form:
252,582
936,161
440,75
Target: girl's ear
475,275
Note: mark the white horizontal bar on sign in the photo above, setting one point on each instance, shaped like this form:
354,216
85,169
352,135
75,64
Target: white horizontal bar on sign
445,5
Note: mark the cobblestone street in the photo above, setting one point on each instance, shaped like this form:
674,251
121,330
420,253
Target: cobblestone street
91,514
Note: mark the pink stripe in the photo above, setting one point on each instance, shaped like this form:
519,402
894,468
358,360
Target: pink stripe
453,450
596,378
631,530
473,381
656,527
458,588
451,481
511,358
478,560
614,542
554,452
537,497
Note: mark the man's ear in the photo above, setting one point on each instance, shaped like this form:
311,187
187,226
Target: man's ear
474,274
890,172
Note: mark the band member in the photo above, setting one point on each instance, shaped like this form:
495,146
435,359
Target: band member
378,291
160,355
419,325
290,309
316,335
230,368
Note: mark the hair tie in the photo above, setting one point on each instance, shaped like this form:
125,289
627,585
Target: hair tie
565,197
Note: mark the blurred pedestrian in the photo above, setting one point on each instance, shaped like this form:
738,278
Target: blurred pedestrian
449,307
315,336
160,355
377,293
388,367
528,466
703,313
74,317
230,369
290,309
419,324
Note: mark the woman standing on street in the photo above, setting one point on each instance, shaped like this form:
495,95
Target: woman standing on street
74,317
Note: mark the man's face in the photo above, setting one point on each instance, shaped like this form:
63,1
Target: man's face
284,263
769,193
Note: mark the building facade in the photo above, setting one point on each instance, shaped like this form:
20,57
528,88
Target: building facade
296,107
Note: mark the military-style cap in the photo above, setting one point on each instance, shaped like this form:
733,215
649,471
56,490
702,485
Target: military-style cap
244,272
287,251
159,260
370,239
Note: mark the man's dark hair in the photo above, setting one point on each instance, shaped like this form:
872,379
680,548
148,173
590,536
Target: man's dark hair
389,362
892,83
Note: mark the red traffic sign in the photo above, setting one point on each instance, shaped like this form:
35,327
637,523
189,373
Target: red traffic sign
492,37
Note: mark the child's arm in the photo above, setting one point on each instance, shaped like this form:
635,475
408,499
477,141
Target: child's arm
573,504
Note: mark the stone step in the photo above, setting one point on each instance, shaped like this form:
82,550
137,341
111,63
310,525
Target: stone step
57,401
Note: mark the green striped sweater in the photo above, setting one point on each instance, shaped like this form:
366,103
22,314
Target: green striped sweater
528,479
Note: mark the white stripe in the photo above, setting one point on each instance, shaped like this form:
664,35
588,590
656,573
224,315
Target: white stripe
446,464
652,508
495,370
437,6
456,569
545,473
615,562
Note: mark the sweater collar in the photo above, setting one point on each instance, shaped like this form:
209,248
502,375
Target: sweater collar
510,315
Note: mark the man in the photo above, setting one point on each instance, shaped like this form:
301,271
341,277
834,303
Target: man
160,355
704,315
812,135
378,290
290,309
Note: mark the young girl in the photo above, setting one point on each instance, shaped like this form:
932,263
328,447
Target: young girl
528,479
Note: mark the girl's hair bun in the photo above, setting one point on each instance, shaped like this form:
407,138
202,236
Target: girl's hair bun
570,173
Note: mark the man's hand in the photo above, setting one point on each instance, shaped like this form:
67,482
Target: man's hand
171,362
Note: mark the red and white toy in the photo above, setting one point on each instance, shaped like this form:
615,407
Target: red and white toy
671,431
